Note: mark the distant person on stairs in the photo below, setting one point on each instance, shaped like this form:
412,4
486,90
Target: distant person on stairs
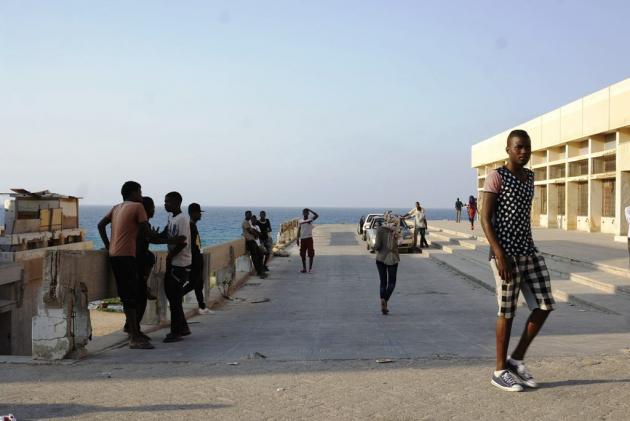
458,210
305,238
472,211
514,260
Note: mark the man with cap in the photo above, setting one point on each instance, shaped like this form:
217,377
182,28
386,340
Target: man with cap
196,281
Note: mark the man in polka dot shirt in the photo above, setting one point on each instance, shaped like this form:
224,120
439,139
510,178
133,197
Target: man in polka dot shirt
514,259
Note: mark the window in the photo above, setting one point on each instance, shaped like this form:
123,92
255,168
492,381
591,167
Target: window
578,168
557,171
582,205
540,174
608,198
604,164
561,193
543,199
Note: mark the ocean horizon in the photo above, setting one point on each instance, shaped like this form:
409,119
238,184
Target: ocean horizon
220,224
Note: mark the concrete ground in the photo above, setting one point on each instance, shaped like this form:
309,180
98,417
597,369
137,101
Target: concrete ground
592,247
322,335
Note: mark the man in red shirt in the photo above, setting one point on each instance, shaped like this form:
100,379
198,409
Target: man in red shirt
127,219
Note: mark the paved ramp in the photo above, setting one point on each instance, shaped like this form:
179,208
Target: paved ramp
334,313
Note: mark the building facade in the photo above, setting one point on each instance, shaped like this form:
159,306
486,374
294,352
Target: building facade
581,162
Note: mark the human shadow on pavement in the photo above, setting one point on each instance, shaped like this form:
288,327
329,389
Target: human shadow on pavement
56,410
584,382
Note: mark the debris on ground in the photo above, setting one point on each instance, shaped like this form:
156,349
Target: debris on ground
233,363
280,389
264,300
256,356
106,374
384,361
280,253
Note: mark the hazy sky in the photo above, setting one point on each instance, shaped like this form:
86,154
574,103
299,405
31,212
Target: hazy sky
318,103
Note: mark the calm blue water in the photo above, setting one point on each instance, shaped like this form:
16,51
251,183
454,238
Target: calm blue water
221,224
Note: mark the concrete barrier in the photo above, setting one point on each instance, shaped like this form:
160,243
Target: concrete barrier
61,327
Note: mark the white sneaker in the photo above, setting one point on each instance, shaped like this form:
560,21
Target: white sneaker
204,311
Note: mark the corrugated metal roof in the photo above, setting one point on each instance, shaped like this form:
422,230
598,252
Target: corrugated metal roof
44,194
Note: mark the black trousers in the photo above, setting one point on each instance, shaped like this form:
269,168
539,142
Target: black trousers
196,282
126,275
423,239
387,275
176,277
256,255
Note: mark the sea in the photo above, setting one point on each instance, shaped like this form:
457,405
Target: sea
222,224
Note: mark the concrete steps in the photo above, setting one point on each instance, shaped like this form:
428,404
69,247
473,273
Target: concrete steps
572,282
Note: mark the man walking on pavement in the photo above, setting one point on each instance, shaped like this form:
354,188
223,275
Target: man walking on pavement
305,238
515,261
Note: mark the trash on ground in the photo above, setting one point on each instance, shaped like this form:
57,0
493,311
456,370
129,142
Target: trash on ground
106,374
233,363
384,361
264,300
280,389
255,356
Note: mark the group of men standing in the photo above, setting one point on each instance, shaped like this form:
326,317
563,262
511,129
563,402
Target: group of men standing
132,261
258,240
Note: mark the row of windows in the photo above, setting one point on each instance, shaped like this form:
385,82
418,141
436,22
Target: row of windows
608,198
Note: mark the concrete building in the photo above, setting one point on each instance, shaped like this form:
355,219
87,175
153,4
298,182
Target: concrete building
581,162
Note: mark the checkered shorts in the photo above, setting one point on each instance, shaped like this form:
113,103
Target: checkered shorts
530,276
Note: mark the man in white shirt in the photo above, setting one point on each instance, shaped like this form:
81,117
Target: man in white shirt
628,221
305,238
420,225
178,262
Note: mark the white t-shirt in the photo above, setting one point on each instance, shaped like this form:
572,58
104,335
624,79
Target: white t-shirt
257,228
306,228
180,225
419,217
628,219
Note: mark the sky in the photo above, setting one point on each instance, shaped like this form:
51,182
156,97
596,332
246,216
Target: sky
286,103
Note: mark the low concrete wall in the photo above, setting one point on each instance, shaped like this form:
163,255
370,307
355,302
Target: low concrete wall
61,327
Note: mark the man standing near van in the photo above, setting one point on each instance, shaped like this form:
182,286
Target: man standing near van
515,261
305,238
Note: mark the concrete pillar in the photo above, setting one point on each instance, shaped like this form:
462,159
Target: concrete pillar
61,328
570,210
536,207
595,191
552,205
622,188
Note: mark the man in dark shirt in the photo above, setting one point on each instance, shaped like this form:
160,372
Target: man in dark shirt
266,239
196,282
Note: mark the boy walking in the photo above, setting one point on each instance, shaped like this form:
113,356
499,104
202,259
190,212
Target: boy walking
305,238
515,261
